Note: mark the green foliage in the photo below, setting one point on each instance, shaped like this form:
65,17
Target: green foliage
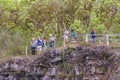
77,26
101,28
11,43
32,18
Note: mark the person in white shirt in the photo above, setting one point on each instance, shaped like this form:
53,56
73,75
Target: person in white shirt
66,36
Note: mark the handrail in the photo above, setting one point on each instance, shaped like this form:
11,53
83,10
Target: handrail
87,38
100,34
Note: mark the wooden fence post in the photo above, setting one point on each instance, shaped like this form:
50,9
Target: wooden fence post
107,37
26,50
86,38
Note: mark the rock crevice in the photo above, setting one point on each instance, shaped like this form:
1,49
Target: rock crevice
81,63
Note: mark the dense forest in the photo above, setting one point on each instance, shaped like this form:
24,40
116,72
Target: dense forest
20,20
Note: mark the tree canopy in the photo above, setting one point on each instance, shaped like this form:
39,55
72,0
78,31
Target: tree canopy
37,16
33,18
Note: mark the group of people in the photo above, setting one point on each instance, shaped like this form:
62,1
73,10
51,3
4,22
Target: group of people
38,44
41,44
72,35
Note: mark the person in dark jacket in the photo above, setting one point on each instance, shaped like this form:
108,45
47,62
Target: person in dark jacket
93,36
44,43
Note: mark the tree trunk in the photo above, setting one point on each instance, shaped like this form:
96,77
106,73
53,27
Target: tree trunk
35,26
43,33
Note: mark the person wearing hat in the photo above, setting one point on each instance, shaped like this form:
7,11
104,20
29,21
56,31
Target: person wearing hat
33,46
52,41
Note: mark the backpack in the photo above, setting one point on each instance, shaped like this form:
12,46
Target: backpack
74,35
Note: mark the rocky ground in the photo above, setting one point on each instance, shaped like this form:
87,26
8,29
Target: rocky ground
81,63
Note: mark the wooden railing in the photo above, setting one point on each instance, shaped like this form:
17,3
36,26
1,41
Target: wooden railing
107,38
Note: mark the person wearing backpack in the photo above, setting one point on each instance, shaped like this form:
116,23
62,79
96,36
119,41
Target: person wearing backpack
73,36
33,46
39,45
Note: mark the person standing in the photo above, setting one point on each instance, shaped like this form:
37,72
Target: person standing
39,45
93,36
44,43
33,46
66,35
52,41
73,36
